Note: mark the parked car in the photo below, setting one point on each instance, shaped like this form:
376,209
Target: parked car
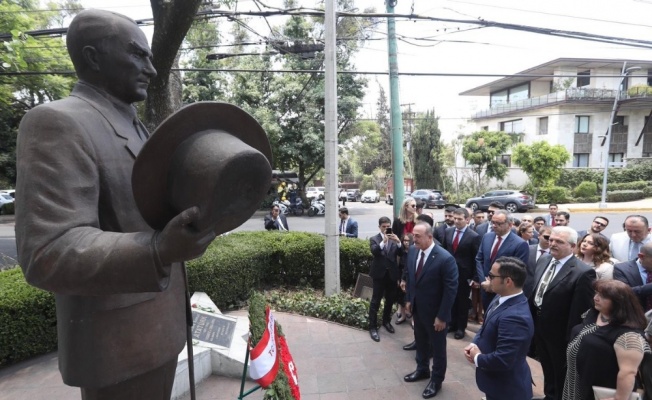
315,192
5,199
513,200
389,199
431,197
10,192
353,195
370,196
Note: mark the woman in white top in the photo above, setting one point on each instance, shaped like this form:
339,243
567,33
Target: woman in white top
593,249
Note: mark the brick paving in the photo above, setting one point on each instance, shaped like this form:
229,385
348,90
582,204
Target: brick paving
334,362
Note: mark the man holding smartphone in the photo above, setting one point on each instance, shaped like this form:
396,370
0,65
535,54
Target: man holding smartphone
384,272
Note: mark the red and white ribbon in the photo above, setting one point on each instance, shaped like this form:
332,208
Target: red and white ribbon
264,356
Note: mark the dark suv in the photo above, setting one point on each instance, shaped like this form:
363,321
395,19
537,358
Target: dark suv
353,195
431,197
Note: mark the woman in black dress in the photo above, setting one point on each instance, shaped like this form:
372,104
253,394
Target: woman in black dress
406,242
607,348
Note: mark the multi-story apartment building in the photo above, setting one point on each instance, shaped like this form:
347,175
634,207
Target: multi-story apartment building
569,101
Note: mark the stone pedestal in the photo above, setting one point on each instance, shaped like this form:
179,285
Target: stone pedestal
219,345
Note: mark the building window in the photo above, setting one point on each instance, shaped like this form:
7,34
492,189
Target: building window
583,78
580,160
498,98
515,126
616,159
543,126
649,77
517,93
485,128
505,159
582,124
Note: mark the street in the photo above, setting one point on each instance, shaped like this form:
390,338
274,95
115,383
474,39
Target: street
366,214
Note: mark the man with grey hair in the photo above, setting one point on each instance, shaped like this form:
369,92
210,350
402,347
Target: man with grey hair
119,285
501,241
562,293
638,275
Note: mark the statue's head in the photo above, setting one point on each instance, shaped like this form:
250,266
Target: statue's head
110,51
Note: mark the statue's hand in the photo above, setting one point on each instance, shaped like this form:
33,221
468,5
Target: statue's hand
180,241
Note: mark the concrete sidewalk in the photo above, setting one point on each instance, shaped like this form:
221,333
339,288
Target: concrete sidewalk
334,362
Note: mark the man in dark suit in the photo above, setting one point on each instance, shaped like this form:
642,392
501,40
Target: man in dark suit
562,293
348,226
463,244
439,230
118,284
536,251
486,227
638,275
275,220
500,347
502,242
430,293
384,271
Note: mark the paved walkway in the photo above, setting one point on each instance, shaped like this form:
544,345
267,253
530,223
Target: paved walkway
334,362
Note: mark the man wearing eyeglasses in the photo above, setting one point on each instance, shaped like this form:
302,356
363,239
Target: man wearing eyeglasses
562,293
597,226
486,227
500,347
502,242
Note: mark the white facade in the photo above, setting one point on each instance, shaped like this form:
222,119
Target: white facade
569,102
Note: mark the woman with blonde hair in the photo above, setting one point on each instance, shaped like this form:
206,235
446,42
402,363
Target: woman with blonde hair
593,250
407,217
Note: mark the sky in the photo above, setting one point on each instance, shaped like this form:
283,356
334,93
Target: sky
462,48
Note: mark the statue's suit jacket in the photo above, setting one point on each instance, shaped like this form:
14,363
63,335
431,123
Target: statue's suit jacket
79,234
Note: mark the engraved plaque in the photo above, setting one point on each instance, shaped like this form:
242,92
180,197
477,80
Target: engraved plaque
212,328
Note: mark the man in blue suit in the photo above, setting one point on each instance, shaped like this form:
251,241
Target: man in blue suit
500,348
501,242
348,226
430,292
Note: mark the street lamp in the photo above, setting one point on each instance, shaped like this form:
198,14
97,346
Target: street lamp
623,74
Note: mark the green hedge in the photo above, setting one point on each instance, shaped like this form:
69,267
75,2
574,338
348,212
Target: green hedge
232,266
625,195
571,178
555,194
28,323
585,189
7,209
636,185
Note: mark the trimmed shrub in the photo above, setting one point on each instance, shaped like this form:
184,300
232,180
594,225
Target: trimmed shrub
571,178
585,189
636,185
7,209
588,199
624,195
555,194
647,192
229,270
27,318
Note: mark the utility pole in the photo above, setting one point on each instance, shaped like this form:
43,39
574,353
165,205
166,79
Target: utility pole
332,244
408,143
395,114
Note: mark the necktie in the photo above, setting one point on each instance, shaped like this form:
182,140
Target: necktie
456,241
420,265
342,225
552,221
648,305
494,251
542,252
492,307
545,281
634,249
280,224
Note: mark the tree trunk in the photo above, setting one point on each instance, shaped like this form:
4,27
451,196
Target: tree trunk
172,20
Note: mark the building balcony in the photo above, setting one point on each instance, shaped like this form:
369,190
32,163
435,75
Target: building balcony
575,95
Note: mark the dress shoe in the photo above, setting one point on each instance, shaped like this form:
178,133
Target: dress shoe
411,346
431,390
458,334
374,335
417,376
389,327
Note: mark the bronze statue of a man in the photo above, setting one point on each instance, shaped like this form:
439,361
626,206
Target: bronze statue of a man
118,284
